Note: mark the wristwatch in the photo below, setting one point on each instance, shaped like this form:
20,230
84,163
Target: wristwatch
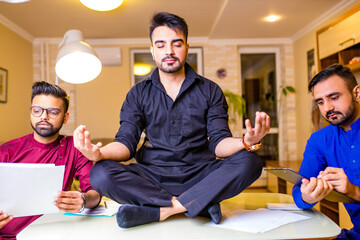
84,203
251,148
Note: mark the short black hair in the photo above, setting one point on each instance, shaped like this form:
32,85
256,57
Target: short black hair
336,69
46,88
169,20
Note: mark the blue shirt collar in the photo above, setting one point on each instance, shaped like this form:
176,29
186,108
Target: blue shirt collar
355,125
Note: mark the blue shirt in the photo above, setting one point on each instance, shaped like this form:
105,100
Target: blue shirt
183,132
332,146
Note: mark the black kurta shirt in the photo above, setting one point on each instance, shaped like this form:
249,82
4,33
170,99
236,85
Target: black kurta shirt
179,133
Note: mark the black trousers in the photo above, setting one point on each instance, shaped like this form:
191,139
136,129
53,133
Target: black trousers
195,187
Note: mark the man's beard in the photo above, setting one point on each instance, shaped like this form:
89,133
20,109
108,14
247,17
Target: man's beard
46,132
344,118
170,68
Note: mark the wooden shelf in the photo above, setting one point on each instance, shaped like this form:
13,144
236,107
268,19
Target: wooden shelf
339,42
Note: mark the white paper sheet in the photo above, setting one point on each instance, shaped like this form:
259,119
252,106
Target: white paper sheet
259,221
29,189
283,206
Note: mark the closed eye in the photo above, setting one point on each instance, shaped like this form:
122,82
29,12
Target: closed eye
334,98
320,102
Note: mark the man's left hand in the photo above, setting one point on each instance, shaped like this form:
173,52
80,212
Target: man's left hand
69,201
262,127
341,183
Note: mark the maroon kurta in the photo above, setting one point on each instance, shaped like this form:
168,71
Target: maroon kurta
60,152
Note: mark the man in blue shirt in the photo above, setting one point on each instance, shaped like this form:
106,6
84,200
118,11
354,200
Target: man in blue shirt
331,158
184,117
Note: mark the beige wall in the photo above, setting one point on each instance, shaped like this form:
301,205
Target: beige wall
98,102
16,57
303,98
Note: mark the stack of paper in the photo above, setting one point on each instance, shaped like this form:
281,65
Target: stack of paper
29,189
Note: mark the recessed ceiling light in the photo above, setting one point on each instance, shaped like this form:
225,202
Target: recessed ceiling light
272,18
102,5
14,1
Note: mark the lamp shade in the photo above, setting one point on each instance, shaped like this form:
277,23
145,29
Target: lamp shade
76,61
102,5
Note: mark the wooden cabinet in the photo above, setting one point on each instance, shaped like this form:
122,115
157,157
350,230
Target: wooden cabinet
339,42
339,36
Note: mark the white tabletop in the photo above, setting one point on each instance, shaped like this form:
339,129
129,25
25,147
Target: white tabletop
59,226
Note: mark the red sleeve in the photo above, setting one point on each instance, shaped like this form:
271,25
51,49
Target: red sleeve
82,170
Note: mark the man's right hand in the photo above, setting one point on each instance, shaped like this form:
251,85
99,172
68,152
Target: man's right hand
83,143
4,219
315,189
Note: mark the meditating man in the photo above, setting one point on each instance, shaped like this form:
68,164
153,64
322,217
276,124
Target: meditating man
184,116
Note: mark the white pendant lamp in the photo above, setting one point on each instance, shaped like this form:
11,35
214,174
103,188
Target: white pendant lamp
102,5
76,61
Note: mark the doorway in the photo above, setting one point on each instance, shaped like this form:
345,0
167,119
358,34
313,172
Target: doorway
260,78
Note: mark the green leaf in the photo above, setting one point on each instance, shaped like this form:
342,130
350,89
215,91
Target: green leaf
284,91
236,103
290,89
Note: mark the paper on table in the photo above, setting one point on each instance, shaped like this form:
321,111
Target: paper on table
29,188
283,206
259,221
100,211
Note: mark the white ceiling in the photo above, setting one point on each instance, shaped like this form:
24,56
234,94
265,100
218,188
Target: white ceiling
213,19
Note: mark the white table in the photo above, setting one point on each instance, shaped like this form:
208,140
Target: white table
59,226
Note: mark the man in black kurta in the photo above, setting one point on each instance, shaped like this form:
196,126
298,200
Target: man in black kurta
184,117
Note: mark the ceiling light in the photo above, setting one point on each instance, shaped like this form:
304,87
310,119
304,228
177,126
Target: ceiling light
102,5
142,69
14,1
76,61
272,18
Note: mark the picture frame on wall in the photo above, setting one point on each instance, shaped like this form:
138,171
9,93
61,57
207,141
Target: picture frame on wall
3,85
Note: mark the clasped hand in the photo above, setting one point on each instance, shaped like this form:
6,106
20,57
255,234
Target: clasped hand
315,189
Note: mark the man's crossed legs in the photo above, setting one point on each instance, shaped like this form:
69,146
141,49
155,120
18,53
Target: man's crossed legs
152,194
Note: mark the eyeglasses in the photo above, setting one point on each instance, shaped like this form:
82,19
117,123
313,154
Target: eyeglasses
37,111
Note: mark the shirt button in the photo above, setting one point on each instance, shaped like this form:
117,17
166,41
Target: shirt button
173,122
354,161
352,146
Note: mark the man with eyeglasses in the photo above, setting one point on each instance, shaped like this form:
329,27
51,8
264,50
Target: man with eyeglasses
48,112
